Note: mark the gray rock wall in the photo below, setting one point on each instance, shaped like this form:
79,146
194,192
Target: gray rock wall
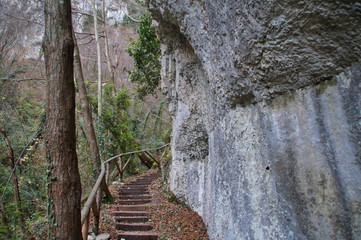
266,99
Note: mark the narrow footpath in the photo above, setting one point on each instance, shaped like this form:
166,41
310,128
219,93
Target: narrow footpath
131,210
144,212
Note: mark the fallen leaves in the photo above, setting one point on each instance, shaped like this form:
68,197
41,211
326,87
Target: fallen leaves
174,221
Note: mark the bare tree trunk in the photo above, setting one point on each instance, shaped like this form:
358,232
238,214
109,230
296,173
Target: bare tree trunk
14,179
88,125
107,175
99,55
85,229
65,187
100,103
86,112
106,40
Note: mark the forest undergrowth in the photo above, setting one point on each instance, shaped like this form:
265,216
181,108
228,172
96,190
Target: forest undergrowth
134,116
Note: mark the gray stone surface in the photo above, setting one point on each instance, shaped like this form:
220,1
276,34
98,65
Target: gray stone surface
266,99
103,236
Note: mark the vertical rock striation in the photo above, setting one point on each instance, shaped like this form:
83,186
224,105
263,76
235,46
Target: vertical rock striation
266,98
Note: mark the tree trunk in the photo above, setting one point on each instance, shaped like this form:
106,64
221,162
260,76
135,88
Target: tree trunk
99,55
65,187
107,175
86,112
14,179
87,117
106,41
147,161
88,124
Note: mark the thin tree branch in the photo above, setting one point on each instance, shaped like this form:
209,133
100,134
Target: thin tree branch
12,74
131,18
92,39
24,19
85,13
84,33
29,79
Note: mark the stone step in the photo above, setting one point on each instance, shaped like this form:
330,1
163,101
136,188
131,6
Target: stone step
132,219
133,201
133,189
135,185
129,213
139,197
129,189
145,180
150,176
131,192
137,236
133,226
130,208
142,182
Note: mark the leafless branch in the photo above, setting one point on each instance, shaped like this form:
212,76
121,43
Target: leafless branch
12,75
29,79
131,18
85,13
24,19
84,37
85,43
87,33
84,33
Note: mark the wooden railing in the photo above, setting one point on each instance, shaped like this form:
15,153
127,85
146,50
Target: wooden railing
90,199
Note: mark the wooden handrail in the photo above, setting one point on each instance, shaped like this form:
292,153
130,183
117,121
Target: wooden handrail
145,150
88,204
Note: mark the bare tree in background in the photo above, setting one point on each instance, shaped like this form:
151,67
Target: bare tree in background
89,131
99,59
106,43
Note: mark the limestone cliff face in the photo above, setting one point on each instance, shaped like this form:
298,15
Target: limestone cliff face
266,98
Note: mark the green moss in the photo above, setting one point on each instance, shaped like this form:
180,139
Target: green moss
173,199
329,82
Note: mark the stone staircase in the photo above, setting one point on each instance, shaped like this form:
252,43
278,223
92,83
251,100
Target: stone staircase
130,211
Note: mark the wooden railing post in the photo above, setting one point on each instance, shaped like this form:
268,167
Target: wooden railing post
96,212
85,228
120,169
107,174
160,159
86,209
126,164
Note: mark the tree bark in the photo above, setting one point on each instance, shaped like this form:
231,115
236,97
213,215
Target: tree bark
86,112
99,57
107,174
106,41
64,179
